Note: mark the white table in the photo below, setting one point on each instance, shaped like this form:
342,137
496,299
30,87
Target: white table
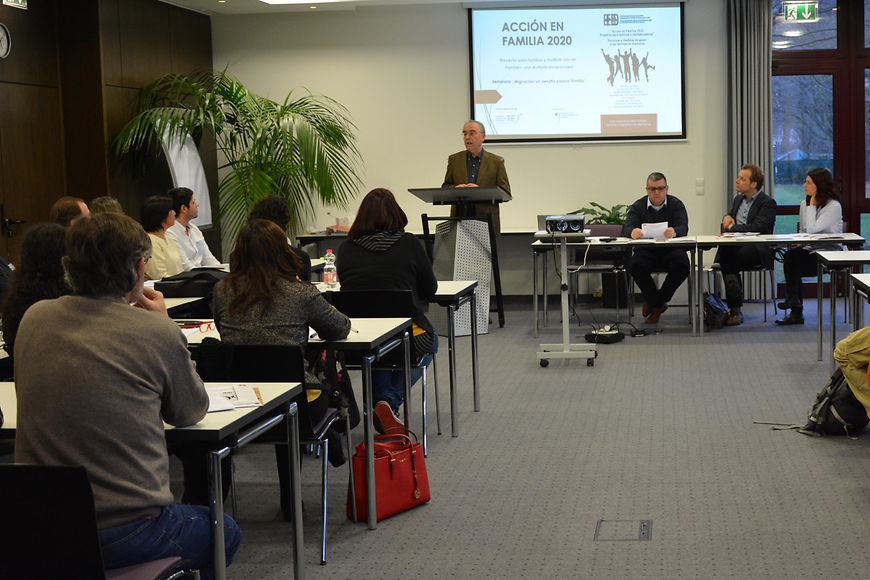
372,338
452,295
228,430
831,261
860,288
547,242
773,240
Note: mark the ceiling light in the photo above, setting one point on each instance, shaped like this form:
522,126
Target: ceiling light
301,1
793,33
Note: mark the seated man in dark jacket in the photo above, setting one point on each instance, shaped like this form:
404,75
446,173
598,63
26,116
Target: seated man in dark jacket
657,207
751,211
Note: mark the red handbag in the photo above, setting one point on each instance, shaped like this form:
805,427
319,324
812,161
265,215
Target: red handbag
401,479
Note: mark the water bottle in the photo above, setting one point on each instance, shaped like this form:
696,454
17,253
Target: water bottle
330,274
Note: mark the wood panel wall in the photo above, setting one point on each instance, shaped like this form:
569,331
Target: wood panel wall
65,91
31,137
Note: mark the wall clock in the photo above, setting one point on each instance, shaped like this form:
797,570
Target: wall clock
5,41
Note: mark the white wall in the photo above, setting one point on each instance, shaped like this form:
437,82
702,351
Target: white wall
402,72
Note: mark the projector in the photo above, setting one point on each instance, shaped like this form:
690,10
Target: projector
572,223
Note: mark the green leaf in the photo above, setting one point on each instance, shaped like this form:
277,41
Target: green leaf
303,149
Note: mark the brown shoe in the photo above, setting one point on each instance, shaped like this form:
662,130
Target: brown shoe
735,318
655,313
385,421
645,310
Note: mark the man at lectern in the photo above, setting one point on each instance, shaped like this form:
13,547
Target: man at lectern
475,167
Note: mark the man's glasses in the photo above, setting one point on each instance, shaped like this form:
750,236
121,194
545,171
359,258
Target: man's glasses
470,133
657,189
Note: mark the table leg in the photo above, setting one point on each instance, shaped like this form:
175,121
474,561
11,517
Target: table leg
819,291
699,309
474,368
693,295
216,512
451,362
545,284
833,306
534,292
291,420
368,435
406,353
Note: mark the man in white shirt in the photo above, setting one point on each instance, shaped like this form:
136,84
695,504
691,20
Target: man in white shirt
191,245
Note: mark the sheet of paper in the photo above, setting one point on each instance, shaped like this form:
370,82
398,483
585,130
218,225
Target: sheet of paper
217,402
655,231
232,397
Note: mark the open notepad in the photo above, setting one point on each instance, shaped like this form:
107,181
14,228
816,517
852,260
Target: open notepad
229,397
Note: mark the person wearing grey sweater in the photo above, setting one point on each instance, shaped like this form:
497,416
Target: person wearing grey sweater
820,213
96,379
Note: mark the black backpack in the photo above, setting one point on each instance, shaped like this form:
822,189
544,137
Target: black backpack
836,411
191,284
715,311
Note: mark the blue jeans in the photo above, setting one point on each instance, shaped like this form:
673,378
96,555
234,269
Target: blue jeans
180,530
389,386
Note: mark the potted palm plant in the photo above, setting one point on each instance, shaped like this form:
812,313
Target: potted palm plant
302,149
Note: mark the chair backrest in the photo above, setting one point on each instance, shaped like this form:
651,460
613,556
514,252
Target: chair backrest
605,230
51,526
373,303
263,363
266,362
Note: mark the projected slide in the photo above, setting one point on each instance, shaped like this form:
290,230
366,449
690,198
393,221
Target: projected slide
578,73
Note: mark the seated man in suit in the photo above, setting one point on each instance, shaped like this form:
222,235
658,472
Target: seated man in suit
475,167
657,207
191,245
751,211
102,403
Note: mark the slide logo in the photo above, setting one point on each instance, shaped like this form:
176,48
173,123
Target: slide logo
611,19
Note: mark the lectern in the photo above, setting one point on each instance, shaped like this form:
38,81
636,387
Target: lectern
464,199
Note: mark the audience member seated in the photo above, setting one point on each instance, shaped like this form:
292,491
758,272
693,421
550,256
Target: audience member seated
157,216
263,301
67,210
102,405
751,211
853,355
191,244
39,276
821,213
657,207
106,204
380,255
275,209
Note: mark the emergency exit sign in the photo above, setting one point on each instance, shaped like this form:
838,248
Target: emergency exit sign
801,11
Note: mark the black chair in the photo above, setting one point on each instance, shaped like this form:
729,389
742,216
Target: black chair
387,304
281,363
51,528
601,260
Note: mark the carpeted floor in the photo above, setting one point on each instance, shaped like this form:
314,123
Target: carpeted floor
659,429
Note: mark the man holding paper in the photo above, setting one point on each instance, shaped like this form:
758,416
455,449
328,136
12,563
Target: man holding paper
660,216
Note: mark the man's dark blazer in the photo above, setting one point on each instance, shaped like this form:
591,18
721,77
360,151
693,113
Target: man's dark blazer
492,173
762,214
761,219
